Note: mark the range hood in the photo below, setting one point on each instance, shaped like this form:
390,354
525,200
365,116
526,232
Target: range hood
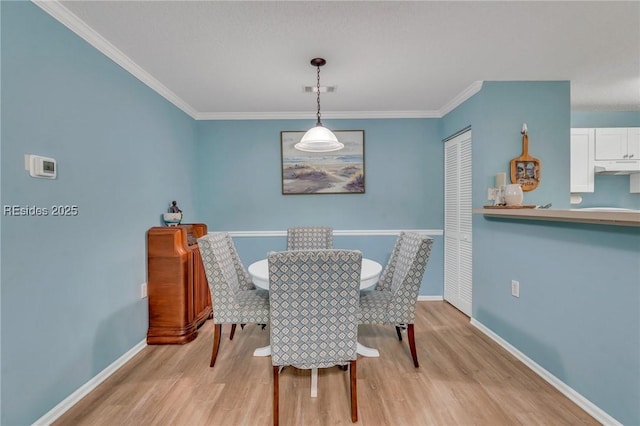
617,167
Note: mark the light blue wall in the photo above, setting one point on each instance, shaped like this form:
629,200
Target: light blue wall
71,285
608,190
497,139
605,119
578,314
239,186
239,177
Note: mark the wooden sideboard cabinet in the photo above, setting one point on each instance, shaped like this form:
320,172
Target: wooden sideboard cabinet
178,292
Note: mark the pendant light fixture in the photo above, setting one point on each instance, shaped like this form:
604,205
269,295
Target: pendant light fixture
319,138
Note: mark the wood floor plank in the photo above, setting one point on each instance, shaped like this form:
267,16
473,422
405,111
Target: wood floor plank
464,378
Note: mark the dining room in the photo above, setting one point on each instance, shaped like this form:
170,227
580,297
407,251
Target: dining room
74,310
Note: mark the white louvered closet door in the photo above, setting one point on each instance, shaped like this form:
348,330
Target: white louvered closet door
457,222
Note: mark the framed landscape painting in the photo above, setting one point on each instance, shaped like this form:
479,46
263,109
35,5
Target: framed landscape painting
337,172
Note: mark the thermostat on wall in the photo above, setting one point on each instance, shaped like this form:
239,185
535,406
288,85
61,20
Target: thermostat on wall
41,167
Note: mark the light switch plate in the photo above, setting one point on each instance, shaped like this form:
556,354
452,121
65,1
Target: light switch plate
515,288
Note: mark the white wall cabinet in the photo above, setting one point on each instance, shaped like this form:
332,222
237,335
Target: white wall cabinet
634,183
582,155
602,144
617,143
633,142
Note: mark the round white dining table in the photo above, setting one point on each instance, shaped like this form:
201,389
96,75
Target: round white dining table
371,270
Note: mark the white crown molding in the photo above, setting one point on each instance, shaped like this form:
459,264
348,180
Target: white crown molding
336,232
287,115
460,98
588,406
84,31
290,115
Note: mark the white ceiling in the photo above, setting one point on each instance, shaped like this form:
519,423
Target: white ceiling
236,59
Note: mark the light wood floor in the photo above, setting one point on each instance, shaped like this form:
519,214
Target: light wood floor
464,379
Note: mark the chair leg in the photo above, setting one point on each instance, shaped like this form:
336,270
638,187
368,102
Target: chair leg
412,345
399,333
217,331
354,391
276,391
233,331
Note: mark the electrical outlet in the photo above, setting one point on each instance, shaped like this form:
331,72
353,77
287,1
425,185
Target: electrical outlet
143,290
515,288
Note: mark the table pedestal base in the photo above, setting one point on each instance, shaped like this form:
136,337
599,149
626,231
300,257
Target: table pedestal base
362,350
263,351
367,351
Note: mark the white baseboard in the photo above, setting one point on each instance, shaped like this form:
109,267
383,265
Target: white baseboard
81,392
430,298
588,406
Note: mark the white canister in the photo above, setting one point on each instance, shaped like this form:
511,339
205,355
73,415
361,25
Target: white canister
513,195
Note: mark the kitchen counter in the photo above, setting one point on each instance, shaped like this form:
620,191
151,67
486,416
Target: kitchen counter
601,217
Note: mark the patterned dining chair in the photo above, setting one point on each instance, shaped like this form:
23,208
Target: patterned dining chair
314,313
231,304
309,238
393,301
244,279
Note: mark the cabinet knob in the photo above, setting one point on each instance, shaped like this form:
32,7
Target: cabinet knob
625,156
630,155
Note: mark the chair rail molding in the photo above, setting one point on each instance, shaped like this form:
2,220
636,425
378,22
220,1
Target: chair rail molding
338,233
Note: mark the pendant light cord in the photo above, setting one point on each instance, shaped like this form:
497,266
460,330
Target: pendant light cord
318,98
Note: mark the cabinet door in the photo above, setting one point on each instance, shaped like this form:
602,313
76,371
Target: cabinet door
458,246
634,183
201,293
633,143
582,152
611,144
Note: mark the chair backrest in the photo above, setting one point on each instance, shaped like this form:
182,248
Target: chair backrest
309,238
410,263
314,298
386,277
244,279
221,275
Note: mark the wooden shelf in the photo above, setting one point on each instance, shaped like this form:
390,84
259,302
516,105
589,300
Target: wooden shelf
621,218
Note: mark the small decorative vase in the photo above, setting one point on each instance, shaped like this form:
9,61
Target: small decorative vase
513,195
172,219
